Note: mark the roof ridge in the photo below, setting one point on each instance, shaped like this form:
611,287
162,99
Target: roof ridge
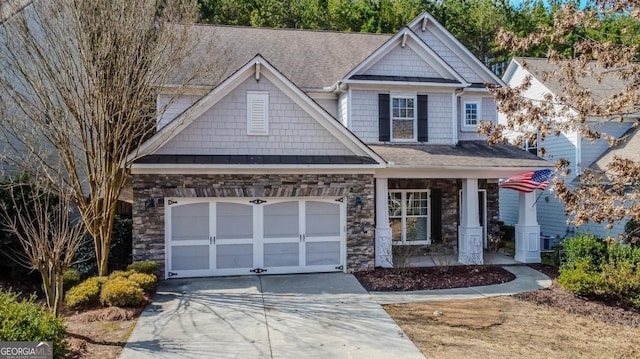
283,29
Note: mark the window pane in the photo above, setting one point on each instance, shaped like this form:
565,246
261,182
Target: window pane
417,229
395,204
409,103
417,203
396,229
403,129
471,113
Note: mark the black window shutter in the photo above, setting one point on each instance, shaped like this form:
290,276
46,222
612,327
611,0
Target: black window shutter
423,127
384,117
436,214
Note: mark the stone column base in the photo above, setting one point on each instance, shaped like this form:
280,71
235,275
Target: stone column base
527,243
470,245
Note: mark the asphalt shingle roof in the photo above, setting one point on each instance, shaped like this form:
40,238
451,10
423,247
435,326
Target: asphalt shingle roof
600,89
465,154
310,59
628,149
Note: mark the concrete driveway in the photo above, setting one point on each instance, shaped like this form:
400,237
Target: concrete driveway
286,316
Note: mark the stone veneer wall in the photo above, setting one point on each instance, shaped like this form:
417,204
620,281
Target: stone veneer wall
148,223
450,201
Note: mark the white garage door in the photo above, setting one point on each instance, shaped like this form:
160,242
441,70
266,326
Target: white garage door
206,237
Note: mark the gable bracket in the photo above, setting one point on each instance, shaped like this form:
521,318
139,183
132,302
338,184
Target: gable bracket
258,71
404,39
425,21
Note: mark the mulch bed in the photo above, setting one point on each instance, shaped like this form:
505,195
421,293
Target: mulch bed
557,297
396,280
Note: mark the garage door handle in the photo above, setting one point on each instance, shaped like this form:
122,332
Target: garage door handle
212,240
301,238
304,238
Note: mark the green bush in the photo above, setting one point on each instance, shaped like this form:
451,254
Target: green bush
86,293
70,278
121,292
584,247
27,321
146,281
583,278
608,270
620,280
149,267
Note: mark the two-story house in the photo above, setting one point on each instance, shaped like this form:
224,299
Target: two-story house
569,145
319,151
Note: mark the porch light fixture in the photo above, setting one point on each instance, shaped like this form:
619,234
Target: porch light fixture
358,201
149,203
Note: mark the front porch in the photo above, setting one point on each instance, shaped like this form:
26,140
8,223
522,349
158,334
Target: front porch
456,218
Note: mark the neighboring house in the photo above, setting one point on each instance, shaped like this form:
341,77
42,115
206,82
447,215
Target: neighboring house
318,151
580,152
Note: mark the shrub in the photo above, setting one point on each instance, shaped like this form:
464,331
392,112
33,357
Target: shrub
86,293
584,247
121,292
621,280
70,278
27,321
149,267
120,274
583,278
146,281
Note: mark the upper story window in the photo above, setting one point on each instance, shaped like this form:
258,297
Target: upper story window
531,146
403,118
257,113
472,110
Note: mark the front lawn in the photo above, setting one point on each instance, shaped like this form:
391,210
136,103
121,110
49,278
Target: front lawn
549,323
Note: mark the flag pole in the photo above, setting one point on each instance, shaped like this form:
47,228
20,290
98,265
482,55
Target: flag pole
540,195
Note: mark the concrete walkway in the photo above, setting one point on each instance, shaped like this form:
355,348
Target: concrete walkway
527,280
289,316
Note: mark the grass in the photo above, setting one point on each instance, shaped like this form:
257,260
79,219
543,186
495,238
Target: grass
505,327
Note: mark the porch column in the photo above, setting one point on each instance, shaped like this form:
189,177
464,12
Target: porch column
384,257
527,230
469,230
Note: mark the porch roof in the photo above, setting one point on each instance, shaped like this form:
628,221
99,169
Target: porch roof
478,154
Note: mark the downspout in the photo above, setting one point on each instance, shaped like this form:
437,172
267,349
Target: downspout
454,120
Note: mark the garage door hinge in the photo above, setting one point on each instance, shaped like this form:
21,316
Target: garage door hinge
257,270
340,267
170,202
171,274
257,201
340,199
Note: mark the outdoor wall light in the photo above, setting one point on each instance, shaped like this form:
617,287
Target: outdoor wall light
149,203
358,201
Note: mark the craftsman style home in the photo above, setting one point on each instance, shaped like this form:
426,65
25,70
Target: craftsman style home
315,151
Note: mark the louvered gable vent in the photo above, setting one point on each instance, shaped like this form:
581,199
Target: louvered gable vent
257,113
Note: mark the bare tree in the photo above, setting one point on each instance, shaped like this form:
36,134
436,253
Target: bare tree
580,48
41,221
79,81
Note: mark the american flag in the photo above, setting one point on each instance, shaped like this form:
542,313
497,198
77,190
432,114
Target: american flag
528,181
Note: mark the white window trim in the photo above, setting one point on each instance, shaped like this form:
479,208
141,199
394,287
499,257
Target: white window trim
403,215
257,95
527,146
407,95
463,117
